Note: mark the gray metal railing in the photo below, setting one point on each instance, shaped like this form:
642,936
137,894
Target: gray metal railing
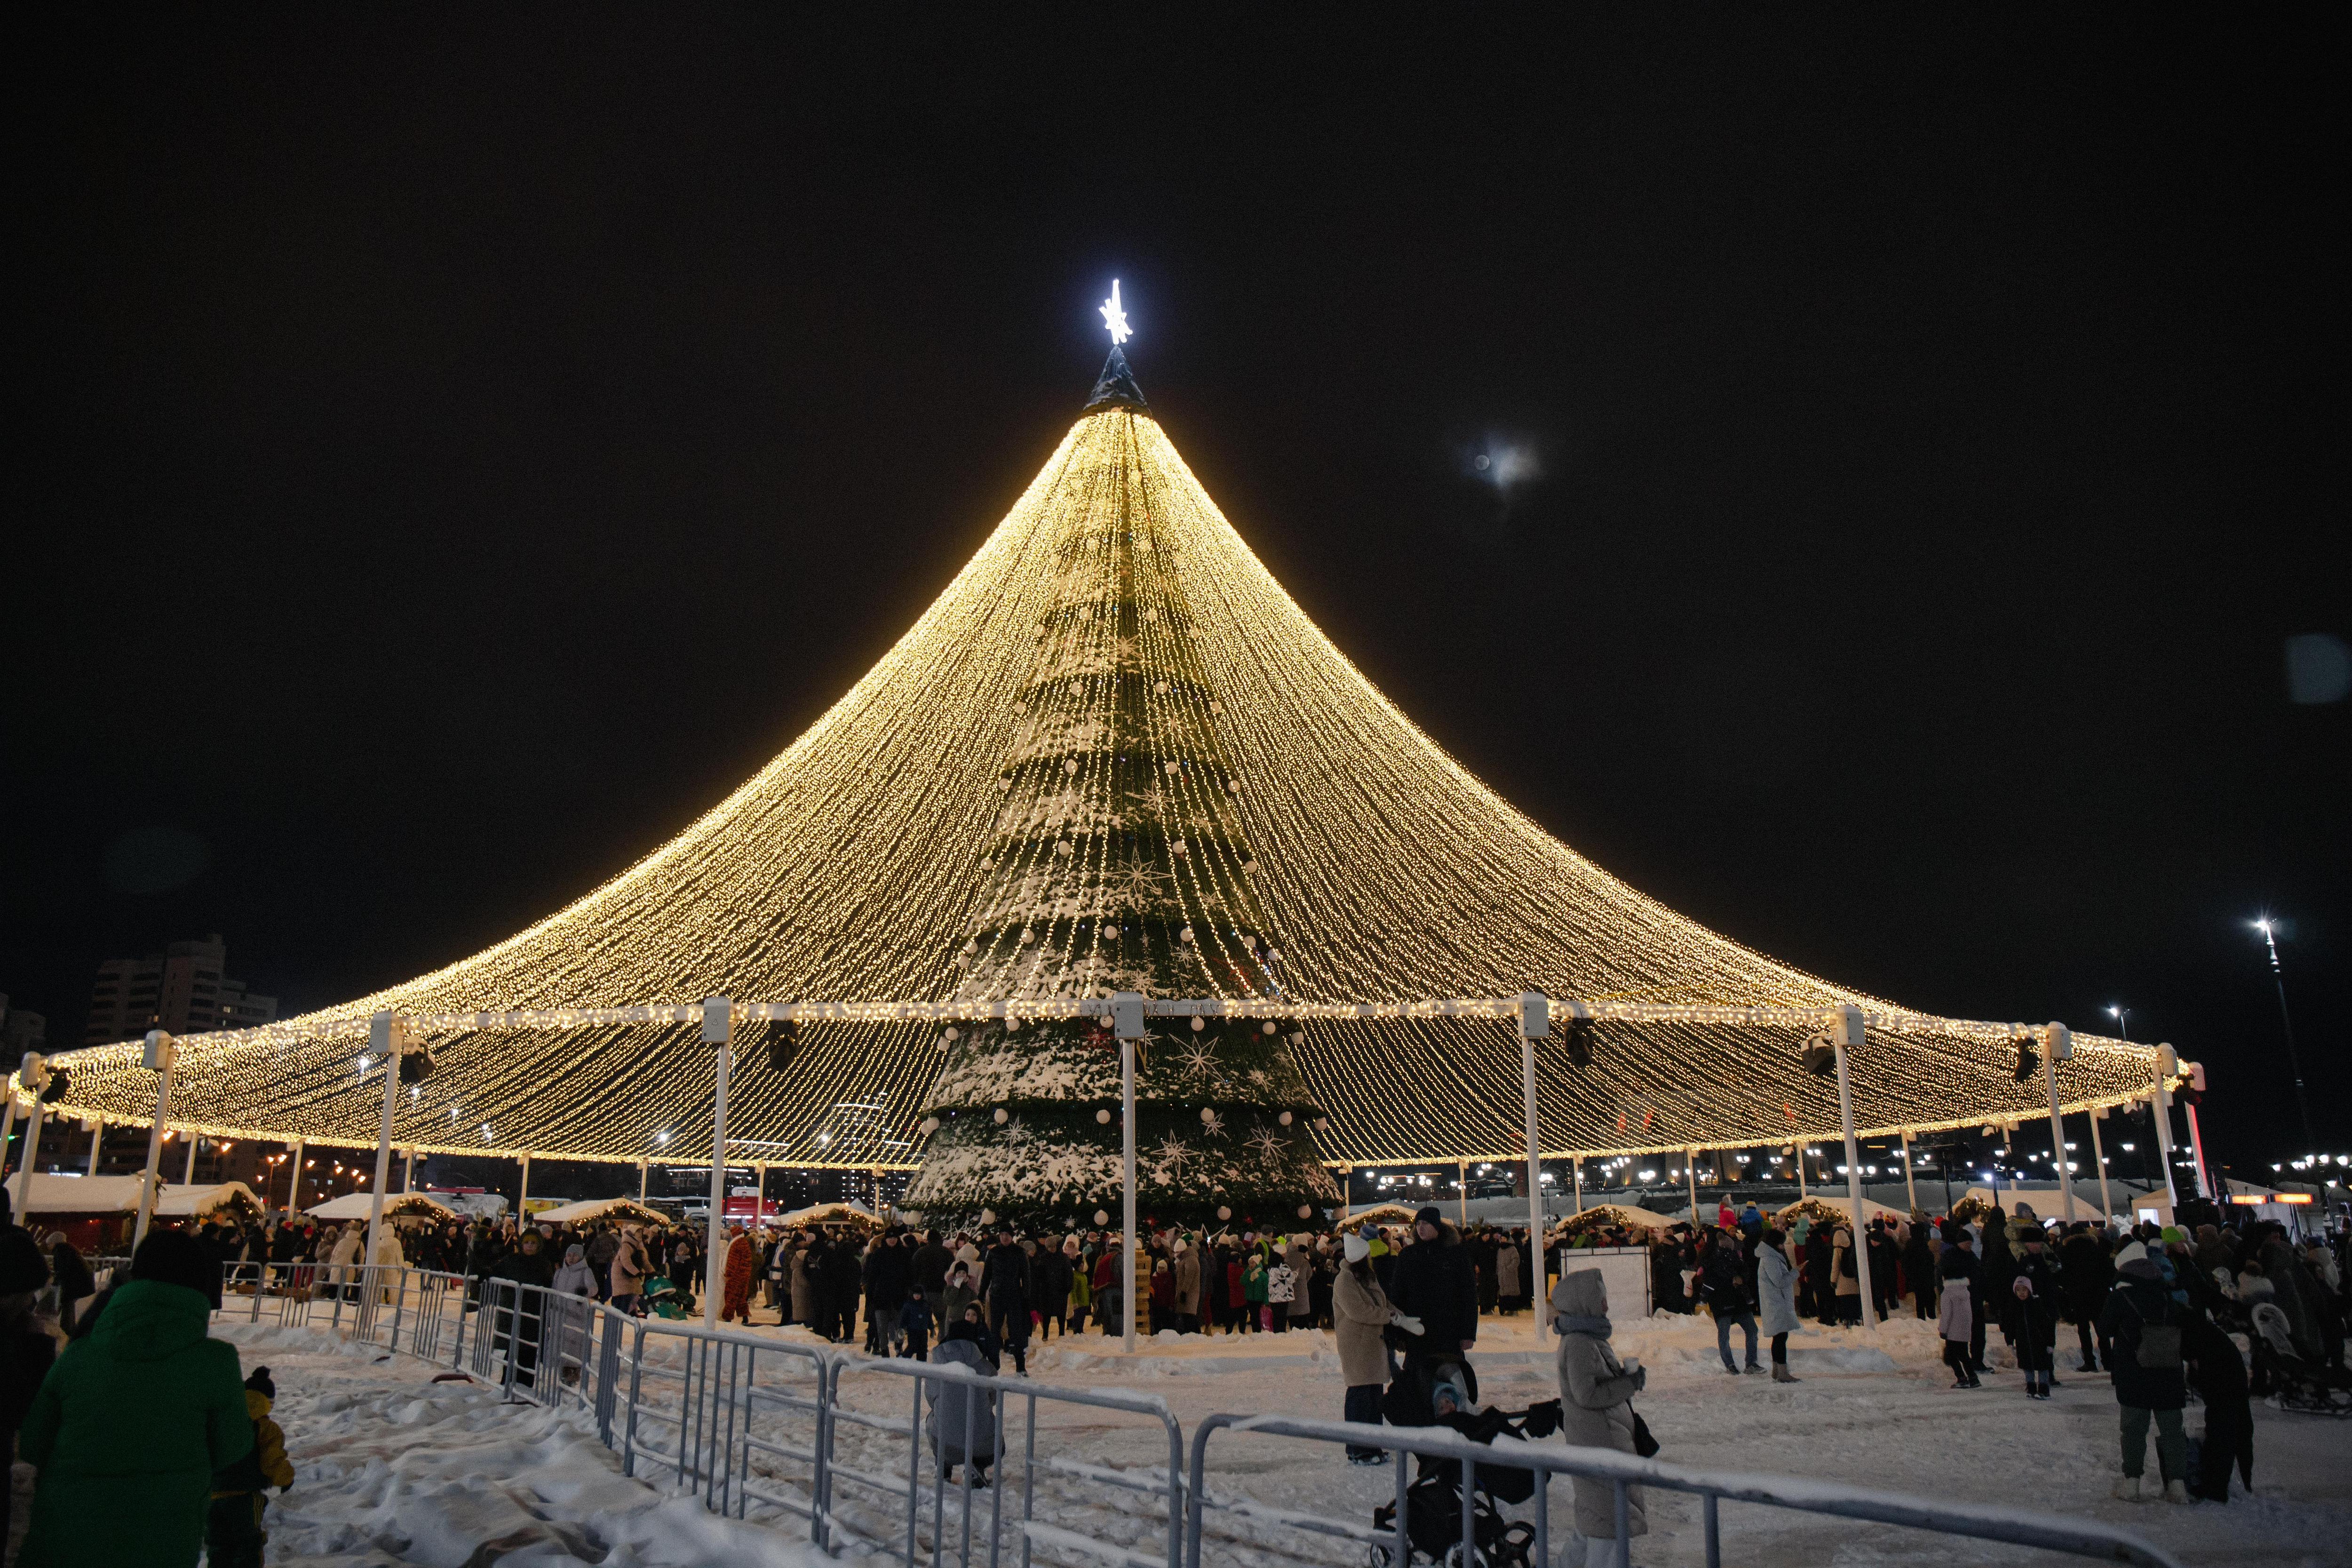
2082,1538
744,1422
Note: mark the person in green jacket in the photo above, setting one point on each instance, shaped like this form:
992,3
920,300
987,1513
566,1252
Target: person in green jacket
129,1426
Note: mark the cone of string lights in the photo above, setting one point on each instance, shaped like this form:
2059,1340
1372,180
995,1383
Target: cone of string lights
1112,756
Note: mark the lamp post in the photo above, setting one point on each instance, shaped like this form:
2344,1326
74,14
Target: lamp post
2286,1026
718,1031
162,1055
1846,1030
1535,1022
1127,1020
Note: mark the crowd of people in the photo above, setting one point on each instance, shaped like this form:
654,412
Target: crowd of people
2155,1307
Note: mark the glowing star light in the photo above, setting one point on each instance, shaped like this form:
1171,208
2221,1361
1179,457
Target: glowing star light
1115,317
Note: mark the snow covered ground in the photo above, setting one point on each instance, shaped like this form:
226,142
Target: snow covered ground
393,1467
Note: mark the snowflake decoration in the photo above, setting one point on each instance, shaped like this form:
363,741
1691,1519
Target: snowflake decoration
1199,1060
1212,1125
1268,1144
1173,1154
1016,1134
1135,881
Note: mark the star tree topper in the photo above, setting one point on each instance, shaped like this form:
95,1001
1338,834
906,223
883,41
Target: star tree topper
1115,317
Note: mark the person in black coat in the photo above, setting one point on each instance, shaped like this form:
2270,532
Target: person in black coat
519,1309
2218,1372
1919,1270
2146,1327
1050,1272
1007,1285
929,1269
890,1270
2086,1276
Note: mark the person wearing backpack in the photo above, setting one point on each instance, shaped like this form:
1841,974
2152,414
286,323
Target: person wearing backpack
2143,1324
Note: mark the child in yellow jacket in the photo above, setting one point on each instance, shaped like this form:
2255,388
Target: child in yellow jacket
233,1535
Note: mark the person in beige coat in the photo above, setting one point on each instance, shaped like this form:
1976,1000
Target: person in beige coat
1596,1399
1359,1311
1848,1278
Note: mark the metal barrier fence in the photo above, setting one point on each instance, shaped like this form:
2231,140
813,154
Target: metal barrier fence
2081,1538
744,1421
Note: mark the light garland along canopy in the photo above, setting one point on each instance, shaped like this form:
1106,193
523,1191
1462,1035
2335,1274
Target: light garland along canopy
1112,756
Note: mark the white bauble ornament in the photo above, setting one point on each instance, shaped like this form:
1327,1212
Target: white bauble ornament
1027,936
1103,1117
1306,1211
1207,1114
988,1217
1217,706
1185,935
1160,688
1198,1023
1266,1028
1224,1213
1179,848
930,1124
948,1033
1003,1115
1101,1219
1284,1119
1322,1124
1069,764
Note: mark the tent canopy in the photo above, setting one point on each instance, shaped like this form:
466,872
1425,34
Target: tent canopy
356,1205
57,1194
1618,1214
600,1208
1820,1207
830,1213
1382,1214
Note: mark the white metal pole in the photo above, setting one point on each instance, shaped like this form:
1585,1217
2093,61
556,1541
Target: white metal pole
642,1167
719,1030
1849,1030
2099,1158
408,1169
2006,1158
1535,1022
162,1055
2163,1064
1576,1171
7,1119
294,1183
387,1036
1690,1169
522,1193
2054,1040
1800,1170
32,1154
1910,1182
188,1171
1127,1020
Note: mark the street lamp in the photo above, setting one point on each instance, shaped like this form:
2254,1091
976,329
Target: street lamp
2286,1024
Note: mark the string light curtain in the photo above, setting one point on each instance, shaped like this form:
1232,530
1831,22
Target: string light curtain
1112,755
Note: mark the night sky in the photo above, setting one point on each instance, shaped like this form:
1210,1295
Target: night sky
449,453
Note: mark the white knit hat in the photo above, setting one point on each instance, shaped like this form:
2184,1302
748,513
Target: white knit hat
1356,1248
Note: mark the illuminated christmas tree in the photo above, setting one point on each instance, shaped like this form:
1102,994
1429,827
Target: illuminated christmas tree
1119,862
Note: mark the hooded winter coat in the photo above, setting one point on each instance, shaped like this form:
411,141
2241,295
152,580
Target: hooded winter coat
1188,1281
963,1420
127,1432
1596,1400
1776,1291
1360,1310
2138,1302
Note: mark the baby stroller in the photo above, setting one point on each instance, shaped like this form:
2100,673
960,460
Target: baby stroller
2297,1383
663,1299
1433,1518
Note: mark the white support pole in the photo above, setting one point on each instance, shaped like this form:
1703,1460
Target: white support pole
408,1170
1910,1182
1848,1031
1126,1017
2007,1157
1576,1172
387,1037
32,1155
1690,1169
2163,1066
1801,1193
8,1125
2099,1158
643,1166
188,1171
1535,1023
718,1031
294,1182
162,1055
2197,1139
759,1204
523,1192
2057,1042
